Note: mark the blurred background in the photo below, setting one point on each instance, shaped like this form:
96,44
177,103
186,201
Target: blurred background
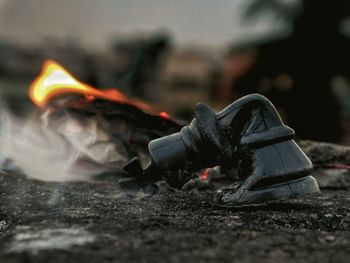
176,53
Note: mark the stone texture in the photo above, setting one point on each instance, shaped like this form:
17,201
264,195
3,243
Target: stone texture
95,222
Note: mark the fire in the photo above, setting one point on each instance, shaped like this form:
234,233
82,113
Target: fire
54,81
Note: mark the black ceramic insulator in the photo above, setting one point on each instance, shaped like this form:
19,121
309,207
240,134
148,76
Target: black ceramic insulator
211,138
168,152
201,142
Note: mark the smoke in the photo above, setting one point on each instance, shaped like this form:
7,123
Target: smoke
66,151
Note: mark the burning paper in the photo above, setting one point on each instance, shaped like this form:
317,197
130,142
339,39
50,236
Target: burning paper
54,80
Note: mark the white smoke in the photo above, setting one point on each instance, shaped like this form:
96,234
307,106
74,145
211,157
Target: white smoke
69,150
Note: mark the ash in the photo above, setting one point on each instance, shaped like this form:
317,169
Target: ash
33,241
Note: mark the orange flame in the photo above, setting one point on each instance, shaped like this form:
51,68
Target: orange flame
54,80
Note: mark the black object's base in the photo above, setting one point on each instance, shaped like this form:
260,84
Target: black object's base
234,196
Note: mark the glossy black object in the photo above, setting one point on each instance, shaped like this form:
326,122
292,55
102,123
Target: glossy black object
248,135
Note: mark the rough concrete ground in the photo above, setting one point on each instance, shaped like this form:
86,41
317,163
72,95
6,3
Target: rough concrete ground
94,222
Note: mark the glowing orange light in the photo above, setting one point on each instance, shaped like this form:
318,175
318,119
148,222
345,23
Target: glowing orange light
165,115
54,81
204,175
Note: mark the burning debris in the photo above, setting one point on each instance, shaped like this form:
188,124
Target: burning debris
79,138
107,134
54,80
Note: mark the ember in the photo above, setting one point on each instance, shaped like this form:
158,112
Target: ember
204,175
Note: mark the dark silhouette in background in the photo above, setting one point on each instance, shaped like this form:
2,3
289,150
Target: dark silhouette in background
139,77
307,60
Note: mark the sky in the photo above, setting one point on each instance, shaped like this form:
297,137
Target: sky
200,22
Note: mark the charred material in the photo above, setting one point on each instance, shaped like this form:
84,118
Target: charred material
110,133
248,135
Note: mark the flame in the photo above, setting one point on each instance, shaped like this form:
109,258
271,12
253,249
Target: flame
54,81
